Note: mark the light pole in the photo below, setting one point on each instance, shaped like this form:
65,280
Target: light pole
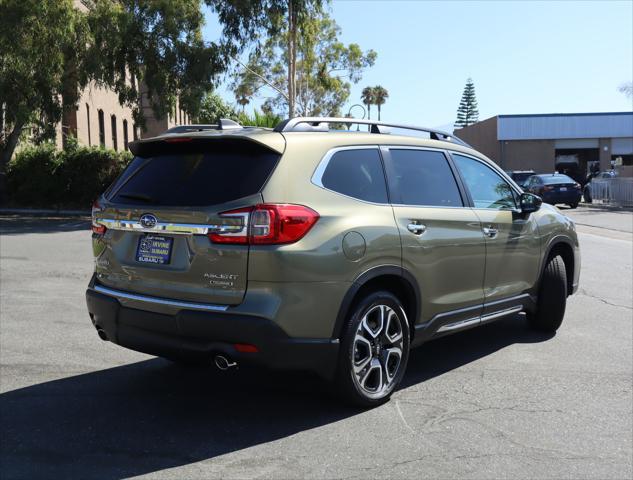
349,114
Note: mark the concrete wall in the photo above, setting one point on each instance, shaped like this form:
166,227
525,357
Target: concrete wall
482,136
92,100
85,120
537,155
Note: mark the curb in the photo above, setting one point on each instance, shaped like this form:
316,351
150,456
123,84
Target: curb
39,212
604,206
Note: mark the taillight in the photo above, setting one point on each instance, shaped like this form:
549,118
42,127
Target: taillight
245,348
547,188
96,227
265,224
577,186
235,227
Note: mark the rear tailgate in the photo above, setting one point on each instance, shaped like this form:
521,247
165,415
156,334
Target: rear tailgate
158,214
563,188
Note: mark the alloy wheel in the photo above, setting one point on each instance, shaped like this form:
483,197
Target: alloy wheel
377,350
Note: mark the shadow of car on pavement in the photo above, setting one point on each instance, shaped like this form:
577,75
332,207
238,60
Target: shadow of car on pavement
153,415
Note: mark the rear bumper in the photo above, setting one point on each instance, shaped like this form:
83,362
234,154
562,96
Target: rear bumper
199,335
554,198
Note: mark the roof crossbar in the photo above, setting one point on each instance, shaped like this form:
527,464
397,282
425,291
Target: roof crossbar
225,124
315,124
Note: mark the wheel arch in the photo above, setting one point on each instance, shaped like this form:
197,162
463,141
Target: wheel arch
563,247
391,278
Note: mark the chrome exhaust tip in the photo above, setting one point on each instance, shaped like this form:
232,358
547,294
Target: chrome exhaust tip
223,363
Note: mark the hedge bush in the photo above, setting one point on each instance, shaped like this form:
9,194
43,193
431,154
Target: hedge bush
42,177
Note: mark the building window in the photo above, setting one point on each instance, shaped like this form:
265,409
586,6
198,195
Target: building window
125,137
88,119
101,128
114,138
135,132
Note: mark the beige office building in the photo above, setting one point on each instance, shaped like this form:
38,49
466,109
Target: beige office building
100,120
573,142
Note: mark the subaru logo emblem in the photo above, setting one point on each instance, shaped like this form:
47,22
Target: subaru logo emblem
148,220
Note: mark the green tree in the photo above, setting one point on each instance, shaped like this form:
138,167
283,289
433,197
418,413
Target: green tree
324,68
467,113
50,50
39,42
380,97
213,108
270,19
368,98
263,119
243,94
159,44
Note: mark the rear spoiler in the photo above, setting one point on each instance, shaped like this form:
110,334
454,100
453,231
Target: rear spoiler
197,143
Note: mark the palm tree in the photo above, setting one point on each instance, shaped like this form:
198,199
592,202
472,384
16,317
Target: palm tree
243,94
367,96
243,101
380,97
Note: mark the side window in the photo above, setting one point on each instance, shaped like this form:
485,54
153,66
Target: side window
421,177
486,187
358,174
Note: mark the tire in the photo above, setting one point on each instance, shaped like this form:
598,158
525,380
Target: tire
587,194
374,350
552,297
573,205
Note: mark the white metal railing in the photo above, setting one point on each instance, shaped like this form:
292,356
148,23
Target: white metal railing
616,190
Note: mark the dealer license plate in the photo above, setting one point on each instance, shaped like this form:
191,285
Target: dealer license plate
154,249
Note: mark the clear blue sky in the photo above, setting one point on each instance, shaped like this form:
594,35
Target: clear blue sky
524,57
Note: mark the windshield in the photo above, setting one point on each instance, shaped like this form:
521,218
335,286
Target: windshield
520,178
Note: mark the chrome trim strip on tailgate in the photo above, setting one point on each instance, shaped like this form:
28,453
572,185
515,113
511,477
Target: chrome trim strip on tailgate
171,228
160,301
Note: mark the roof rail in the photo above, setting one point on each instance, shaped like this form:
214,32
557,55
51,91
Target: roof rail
225,124
315,124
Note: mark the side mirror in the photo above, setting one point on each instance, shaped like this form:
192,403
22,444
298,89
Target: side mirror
530,202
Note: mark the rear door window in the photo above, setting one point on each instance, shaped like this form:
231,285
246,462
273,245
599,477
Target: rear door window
357,173
194,178
421,177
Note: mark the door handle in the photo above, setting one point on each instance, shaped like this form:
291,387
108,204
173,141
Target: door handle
490,231
416,228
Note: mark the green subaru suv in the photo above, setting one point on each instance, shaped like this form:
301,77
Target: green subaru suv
307,247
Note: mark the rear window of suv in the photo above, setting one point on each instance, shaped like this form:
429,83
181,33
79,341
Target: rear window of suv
357,173
193,179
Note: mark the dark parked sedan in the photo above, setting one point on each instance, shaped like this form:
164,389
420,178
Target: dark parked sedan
555,188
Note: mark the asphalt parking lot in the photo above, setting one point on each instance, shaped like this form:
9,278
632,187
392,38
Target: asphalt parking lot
495,402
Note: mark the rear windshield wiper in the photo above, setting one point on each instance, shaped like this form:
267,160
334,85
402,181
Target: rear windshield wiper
138,196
